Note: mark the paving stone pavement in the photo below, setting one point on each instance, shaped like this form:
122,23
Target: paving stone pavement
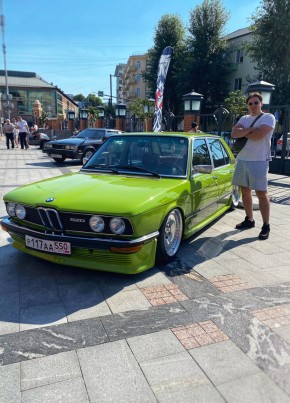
211,326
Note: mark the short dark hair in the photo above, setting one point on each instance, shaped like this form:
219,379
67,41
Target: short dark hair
193,125
254,94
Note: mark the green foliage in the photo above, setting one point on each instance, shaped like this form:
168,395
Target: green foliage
94,100
137,108
170,31
235,102
270,48
79,97
43,118
205,68
93,115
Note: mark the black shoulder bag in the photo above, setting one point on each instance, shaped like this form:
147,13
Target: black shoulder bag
240,142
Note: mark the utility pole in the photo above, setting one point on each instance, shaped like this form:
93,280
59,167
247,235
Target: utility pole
2,23
111,100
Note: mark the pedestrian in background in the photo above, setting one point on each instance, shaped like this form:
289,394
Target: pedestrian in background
15,133
43,138
251,172
194,128
23,132
8,128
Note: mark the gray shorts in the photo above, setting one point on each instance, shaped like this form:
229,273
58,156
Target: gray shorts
251,174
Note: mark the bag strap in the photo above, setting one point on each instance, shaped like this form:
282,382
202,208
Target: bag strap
258,117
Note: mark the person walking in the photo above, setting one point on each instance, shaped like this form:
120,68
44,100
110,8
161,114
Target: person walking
23,132
251,172
8,128
15,133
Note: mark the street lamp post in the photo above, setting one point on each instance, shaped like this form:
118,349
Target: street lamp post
192,105
70,115
120,111
100,120
149,112
83,115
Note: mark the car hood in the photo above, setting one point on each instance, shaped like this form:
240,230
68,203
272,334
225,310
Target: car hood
101,193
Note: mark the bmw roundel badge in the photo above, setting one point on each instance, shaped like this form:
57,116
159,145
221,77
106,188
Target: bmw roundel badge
50,199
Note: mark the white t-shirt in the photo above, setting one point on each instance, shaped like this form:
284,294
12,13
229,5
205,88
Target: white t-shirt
257,150
43,136
22,126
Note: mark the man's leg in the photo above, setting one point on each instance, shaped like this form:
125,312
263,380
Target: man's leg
264,205
247,201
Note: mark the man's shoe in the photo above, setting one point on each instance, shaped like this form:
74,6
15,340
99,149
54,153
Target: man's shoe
265,231
246,224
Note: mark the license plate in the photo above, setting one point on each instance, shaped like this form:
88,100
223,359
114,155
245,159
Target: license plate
56,155
55,247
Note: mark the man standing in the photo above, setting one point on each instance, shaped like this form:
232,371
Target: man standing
253,161
8,128
23,131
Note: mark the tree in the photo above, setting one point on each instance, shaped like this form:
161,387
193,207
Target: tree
43,118
235,102
270,48
170,31
205,69
94,100
79,97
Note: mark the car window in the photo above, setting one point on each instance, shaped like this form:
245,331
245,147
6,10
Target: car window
218,152
164,155
200,153
97,134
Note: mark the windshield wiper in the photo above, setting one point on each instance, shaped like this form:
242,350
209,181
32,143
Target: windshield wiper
134,167
102,168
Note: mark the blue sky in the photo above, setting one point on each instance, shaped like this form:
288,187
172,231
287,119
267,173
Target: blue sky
76,45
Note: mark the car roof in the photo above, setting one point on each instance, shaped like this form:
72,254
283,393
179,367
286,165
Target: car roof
178,134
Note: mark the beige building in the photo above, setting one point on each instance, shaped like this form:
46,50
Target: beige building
242,69
133,85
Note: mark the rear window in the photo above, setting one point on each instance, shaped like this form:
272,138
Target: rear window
97,134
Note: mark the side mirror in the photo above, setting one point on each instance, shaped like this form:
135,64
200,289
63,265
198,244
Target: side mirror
202,169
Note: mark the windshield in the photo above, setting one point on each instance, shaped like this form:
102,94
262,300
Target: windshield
91,134
142,155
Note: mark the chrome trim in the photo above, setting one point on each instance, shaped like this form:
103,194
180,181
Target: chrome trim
83,242
47,211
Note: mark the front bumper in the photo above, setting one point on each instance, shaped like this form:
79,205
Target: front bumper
82,242
72,154
91,253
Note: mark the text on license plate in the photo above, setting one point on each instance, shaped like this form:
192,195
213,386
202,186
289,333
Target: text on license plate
57,247
56,156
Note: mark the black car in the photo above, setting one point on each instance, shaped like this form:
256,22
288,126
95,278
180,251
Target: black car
81,146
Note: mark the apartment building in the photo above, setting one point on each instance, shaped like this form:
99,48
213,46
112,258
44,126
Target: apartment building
242,69
119,74
133,85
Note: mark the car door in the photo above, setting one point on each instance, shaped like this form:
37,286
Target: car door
204,188
222,170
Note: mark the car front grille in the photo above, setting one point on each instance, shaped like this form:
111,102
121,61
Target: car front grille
66,222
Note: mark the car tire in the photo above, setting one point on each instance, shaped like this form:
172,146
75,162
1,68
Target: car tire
59,159
170,236
87,154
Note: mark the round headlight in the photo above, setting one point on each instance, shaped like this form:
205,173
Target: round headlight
11,209
20,211
97,223
117,225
